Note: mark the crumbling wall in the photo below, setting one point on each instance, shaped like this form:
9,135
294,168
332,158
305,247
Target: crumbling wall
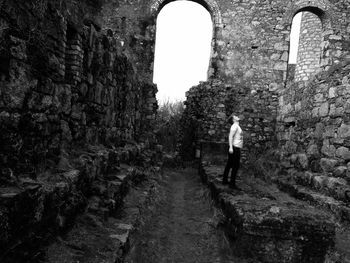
66,84
312,115
70,100
206,117
313,131
251,56
80,74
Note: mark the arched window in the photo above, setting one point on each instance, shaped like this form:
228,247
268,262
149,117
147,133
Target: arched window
305,46
183,46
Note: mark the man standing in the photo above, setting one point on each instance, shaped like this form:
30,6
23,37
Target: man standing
235,140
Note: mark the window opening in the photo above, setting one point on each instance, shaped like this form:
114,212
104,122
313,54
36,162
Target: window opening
305,46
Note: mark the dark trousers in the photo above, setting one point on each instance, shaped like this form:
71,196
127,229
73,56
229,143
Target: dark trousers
233,162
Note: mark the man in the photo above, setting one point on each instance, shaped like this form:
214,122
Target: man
235,141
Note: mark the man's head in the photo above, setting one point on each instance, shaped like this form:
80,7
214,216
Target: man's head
235,118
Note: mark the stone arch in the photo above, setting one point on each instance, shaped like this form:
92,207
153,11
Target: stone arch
211,5
310,46
323,14
214,11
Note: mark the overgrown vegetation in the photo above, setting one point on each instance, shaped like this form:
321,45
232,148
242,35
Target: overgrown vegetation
168,124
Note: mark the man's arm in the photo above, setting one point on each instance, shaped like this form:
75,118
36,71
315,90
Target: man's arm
230,137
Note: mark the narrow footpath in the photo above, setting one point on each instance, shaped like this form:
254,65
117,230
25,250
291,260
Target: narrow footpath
185,227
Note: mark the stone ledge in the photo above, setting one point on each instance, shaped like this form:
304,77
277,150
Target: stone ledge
267,224
97,239
34,211
340,209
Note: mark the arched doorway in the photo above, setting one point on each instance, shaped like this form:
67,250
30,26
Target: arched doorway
183,48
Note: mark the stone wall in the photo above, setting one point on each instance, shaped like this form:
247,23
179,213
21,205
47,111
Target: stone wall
65,84
250,55
250,39
309,51
72,108
79,75
209,105
249,60
313,131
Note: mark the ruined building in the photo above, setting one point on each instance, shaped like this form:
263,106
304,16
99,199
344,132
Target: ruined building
77,98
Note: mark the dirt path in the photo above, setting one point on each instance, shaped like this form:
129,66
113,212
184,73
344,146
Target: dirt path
184,227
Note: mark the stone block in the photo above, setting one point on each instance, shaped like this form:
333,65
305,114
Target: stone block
315,112
290,147
319,98
340,171
344,131
327,149
66,132
332,110
62,98
333,182
328,165
300,160
303,161
18,49
318,181
312,151
319,130
343,153
324,109
329,131
281,66
347,106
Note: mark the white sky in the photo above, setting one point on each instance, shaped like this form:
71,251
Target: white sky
294,38
183,45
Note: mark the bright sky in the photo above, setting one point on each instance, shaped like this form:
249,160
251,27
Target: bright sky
183,45
294,39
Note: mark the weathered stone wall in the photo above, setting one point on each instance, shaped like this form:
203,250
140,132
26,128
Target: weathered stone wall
64,83
309,51
80,74
251,49
250,39
70,100
209,105
313,130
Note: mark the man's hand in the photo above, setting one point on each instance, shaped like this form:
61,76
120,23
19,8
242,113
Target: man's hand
230,150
